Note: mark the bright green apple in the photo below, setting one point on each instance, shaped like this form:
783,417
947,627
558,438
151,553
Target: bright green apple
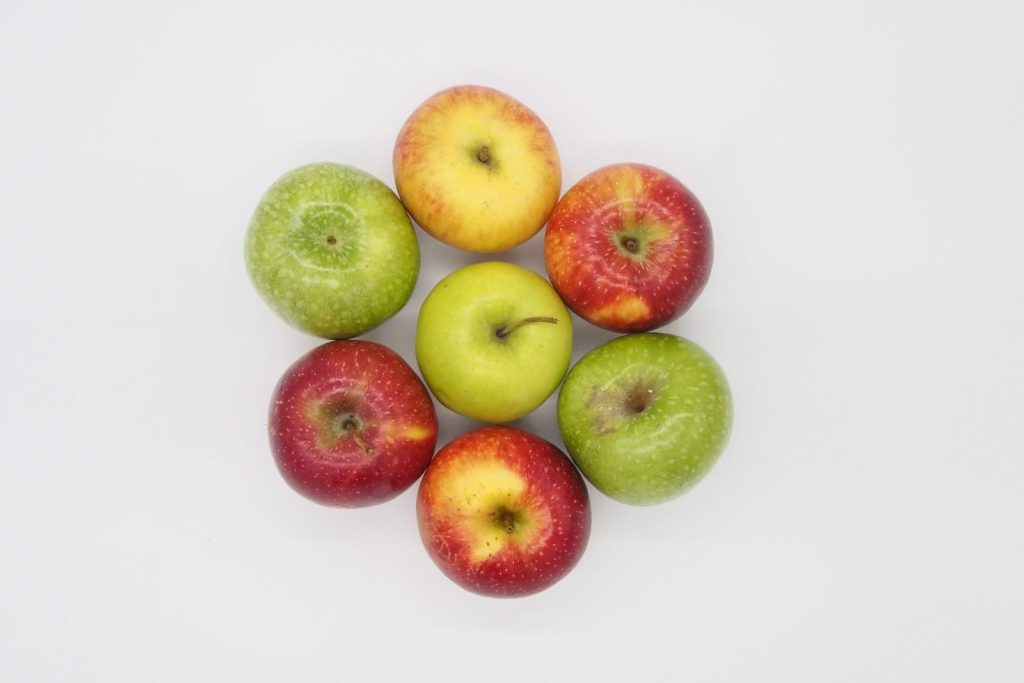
645,416
493,340
332,250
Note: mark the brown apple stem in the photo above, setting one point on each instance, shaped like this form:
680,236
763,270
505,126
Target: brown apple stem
509,521
353,431
484,155
503,332
631,245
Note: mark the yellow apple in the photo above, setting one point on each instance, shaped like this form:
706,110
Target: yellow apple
493,341
477,169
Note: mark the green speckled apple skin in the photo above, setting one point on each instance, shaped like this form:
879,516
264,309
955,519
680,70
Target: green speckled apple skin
331,249
649,456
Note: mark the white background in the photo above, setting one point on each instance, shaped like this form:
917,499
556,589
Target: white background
862,167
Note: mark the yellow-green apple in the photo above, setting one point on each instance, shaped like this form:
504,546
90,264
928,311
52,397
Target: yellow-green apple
351,424
503,512
628,248
645,416
332,251
493,340
477,169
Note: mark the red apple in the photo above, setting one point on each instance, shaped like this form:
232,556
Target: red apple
628,248
503,512
351,424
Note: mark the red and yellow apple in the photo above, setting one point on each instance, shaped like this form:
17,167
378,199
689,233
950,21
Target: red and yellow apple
351,424
628,248
503,512
477,169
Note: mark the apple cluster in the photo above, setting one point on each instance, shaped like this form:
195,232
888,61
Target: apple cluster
501,511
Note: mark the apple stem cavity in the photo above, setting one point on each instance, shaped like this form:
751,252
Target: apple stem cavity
484,155
640,400
351,427
631,245
506,330
507,519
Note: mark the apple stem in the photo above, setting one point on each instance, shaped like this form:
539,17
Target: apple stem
353,431
631,245
484,155
503,332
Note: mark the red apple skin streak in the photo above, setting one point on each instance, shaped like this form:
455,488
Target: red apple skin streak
488,470
394,415
594,274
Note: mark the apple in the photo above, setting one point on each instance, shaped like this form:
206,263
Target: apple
477,169
351,424
645,416
503,512
332,251
628,248
493,340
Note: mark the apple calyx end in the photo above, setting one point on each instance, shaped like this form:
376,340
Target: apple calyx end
483,155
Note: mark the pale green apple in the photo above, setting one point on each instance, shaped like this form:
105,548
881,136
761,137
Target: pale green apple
332,250
645,416
493,340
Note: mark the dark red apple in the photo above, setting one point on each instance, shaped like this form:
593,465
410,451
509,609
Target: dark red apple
351,424
503,512
628,248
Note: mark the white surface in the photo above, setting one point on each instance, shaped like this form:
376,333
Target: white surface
861,164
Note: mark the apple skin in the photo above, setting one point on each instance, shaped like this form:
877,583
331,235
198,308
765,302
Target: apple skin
628,248
503,512
469,365
351,424
477,169
332,251
645,416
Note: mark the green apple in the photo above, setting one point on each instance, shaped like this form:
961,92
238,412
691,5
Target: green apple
331,249
493,340
645,416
